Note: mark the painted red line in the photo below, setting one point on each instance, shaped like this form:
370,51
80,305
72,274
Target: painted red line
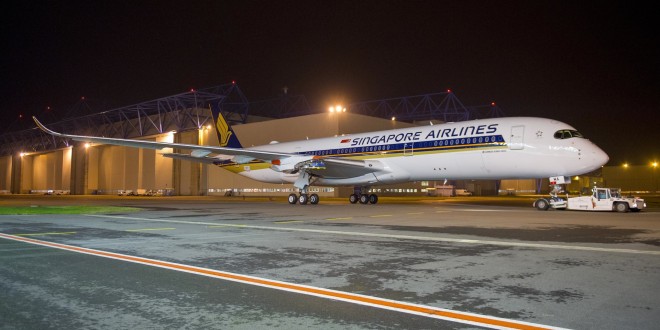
428,311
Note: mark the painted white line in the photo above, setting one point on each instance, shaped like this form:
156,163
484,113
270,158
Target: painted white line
407,237
393,305
477,210
150,229
47,234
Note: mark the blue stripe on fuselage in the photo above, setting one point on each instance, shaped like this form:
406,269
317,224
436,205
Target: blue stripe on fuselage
429,145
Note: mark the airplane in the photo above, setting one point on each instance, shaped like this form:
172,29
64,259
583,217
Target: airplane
499,148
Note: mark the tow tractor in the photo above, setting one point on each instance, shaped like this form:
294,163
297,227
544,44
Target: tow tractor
601,199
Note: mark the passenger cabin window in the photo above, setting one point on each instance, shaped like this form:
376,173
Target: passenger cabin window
567,134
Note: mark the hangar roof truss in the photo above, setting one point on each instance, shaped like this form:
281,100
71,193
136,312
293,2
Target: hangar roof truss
179,112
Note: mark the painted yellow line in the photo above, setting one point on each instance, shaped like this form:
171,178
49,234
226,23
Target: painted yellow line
288,221
442,211
150,229
347,218
45,234
380,216
393,305
412,213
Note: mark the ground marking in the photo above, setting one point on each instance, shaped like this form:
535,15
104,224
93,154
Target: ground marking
150,229
395,236
218,226
478,210
45,234
393,305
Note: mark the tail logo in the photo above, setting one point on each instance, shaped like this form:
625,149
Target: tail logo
223,131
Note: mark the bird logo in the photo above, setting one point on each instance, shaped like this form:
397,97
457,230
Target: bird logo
223,131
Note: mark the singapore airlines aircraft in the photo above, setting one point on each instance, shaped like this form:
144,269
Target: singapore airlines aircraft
501,148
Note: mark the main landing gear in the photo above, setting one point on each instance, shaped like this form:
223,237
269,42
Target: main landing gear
304,199
302,183
363,199
363,196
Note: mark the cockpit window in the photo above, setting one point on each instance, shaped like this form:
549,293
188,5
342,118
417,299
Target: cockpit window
567,134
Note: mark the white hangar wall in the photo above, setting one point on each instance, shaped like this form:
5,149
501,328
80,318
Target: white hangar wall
115,169
5,174
41,173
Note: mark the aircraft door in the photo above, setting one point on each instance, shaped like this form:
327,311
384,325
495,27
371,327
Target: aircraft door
516,139
408,149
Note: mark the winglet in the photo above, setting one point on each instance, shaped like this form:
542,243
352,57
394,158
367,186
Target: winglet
43,128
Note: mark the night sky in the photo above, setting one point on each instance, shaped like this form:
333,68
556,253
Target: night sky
594,66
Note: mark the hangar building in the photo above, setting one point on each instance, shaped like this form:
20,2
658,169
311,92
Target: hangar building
33,162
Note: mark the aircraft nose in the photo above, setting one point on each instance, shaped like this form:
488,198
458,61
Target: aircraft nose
599,156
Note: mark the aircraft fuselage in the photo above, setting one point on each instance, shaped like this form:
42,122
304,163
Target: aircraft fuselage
501,148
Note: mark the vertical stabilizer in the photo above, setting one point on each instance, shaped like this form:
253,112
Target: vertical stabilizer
226,135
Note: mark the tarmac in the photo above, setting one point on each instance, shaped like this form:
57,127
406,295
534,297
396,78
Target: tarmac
260,263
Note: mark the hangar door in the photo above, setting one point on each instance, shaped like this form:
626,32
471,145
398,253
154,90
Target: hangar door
516,140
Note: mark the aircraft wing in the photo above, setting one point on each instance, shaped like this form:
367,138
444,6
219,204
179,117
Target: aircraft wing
333,167
244,154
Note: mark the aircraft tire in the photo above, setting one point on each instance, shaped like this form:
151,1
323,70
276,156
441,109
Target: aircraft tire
293,199
303,199
373,198
314,199
353,198
364,199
